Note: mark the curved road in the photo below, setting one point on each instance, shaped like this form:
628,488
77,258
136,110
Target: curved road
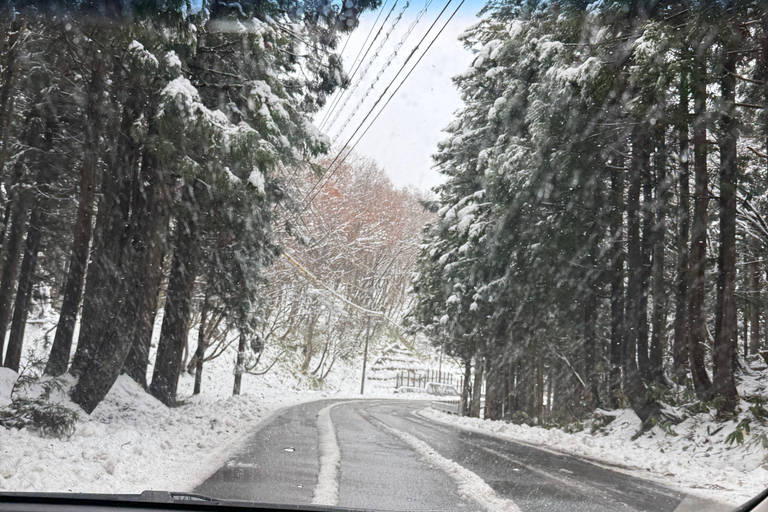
380,454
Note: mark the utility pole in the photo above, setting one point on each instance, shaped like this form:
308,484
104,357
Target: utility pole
365,353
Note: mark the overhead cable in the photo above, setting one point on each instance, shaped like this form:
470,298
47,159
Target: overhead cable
350,90
330,170
352,68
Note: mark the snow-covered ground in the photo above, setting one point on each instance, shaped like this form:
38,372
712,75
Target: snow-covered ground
132,442
695,460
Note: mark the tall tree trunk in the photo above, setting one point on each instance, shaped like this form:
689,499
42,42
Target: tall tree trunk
37,136
466,388
636,355
202,344
617,358
101,303
723,380
697,327
680,349
120,262
178,304
309,346
634,262
474,406
649,234
8,87
539,411
754,306
591,352
157,200
239,365
23,293
11,264
659,312
58,359
494,386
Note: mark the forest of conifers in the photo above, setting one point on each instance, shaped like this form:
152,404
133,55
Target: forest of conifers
146,142
601,237
599,240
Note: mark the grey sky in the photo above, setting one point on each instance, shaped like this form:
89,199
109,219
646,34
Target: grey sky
406,134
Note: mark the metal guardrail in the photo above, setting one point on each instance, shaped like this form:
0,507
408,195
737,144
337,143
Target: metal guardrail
449,406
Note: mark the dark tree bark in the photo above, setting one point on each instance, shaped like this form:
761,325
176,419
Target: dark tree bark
309,347
368,334
659,312
591,352
178,305
635,270
754,307
73,287
38,135
112,236
466,389
724,383
697,327
680,343
648,237
202,344
494,389
118,266
539,407
636,333
617,358
157,200
8,87
23,293
239,363
11,264
477,388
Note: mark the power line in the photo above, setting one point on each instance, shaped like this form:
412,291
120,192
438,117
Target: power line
330,172
352,67
404,79
350,90
386,65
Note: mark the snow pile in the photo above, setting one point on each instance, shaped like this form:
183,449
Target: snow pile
132,442
696,459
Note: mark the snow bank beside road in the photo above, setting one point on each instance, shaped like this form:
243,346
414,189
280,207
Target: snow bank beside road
132,442
695,461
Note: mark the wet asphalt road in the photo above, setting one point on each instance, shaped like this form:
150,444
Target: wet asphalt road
380,471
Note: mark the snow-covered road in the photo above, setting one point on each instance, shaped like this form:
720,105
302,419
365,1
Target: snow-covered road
383,454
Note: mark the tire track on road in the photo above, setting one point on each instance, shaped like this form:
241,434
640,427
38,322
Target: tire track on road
469,483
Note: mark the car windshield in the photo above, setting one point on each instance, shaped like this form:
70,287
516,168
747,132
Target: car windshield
386,254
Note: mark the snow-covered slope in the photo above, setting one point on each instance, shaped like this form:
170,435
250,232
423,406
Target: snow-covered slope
132,442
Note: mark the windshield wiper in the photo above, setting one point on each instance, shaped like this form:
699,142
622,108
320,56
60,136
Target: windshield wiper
154,500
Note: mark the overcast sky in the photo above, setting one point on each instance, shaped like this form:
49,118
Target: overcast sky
406,134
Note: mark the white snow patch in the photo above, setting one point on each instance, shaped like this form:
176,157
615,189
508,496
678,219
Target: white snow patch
172,61
132,442
257,180
7,379
327,488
